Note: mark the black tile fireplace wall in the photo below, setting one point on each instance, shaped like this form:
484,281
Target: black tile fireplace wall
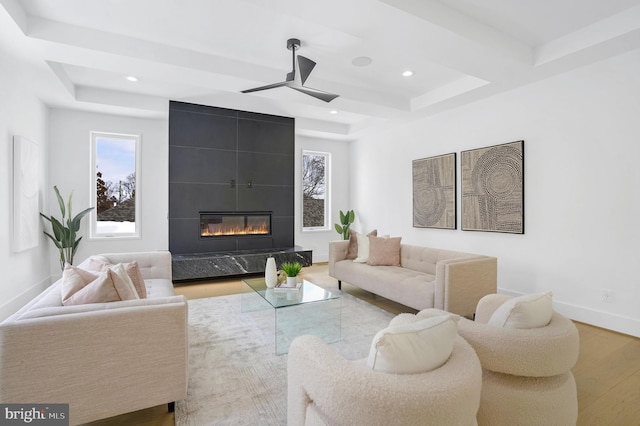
223,160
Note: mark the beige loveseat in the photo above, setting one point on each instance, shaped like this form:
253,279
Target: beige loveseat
426,278
103,359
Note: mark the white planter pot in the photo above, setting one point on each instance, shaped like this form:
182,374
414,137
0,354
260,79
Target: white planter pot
292,281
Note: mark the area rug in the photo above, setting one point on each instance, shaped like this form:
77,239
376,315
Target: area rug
235,378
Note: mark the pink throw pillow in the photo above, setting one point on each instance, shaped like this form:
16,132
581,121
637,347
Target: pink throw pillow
99,264
80,286
384,251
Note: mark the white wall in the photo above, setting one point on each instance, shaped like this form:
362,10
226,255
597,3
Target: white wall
24,274
318,241
70,159
582,201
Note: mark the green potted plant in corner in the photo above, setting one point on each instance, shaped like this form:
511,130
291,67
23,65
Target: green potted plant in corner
292,269
65,230
346,219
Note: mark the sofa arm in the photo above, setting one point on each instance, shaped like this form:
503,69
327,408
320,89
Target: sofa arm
103,363
152,264
345,392
461,282
337,252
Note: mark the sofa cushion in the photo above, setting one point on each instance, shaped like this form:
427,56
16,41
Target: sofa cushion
100,263
413,347
384,251
527,311
80,286
402,285
159,287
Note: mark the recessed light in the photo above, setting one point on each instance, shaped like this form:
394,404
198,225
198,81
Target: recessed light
407,73
362,61
131,78
333,111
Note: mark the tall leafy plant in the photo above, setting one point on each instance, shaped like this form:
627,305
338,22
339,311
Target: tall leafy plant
66,229
346,219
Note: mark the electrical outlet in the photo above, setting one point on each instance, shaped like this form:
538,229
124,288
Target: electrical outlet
607,295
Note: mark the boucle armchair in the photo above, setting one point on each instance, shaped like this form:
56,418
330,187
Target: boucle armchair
527,377
324,388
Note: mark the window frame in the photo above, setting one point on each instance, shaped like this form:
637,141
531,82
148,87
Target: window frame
93,232
327,192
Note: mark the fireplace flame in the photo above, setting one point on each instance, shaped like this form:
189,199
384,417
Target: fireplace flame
218,230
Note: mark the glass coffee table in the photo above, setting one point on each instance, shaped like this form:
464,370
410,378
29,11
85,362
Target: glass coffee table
309,309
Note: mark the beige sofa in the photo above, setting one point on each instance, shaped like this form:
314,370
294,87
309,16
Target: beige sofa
103,359
427,278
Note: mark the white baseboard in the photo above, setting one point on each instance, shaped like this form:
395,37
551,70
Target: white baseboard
13,305
320,257
614,322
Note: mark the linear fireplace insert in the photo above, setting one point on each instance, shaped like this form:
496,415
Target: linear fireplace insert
236,224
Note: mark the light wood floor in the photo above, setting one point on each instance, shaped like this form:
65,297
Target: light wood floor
607,372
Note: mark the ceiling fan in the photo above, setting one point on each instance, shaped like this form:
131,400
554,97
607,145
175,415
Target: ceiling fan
305,66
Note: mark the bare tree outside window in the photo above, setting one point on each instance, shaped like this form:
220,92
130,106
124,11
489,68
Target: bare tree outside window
315,205
114,160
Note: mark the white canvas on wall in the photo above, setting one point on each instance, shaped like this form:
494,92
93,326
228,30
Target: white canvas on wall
26,190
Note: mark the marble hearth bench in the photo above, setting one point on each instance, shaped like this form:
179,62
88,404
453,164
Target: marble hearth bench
196,266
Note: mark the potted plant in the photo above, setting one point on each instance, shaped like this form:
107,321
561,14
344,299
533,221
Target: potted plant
65,230
346,219
292,269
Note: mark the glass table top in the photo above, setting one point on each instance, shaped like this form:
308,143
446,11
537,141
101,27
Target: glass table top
281,297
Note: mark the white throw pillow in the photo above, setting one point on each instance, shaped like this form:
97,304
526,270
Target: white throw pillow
363,248
415,347
127,288
528,311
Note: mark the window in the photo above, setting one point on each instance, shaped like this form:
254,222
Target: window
115,184
315,191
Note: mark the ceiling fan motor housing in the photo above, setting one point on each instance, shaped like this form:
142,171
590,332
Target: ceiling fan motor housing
293,43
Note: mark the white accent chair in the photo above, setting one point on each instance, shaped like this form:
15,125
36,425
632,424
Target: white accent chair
527,377
324,388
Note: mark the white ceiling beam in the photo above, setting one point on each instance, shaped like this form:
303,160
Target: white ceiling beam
59,71
614,32
442,16
122,99
17,13
440,94
411,26
195,68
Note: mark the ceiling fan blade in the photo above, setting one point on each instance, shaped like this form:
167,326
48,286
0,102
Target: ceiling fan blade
319,94
306,65
269,86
